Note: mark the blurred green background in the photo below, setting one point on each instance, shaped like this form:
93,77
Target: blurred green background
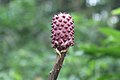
25,43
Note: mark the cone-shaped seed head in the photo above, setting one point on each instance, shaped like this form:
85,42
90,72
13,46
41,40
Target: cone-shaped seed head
62,31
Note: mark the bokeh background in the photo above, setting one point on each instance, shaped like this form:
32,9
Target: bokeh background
25,43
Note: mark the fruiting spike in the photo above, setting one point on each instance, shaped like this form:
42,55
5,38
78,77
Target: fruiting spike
62,31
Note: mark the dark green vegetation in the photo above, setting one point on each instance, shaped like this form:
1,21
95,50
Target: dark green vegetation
25,43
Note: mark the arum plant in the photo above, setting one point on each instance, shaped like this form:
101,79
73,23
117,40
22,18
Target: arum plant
62,38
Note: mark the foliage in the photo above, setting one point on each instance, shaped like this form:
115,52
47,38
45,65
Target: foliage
116,11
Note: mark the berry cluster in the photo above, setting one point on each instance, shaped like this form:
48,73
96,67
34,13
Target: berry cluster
62,31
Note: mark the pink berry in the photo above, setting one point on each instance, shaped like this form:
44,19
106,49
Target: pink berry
62,31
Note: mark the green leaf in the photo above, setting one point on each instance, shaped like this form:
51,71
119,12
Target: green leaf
110,32
111,76
116,11
94,50
112,35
